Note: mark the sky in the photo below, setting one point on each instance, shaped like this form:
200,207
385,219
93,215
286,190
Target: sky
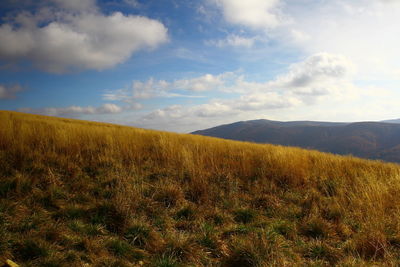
185,65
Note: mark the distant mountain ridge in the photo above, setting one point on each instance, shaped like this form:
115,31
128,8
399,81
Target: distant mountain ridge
373,140
392,121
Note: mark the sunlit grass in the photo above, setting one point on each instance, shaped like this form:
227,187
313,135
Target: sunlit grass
75,192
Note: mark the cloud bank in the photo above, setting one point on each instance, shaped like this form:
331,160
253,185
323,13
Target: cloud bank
317,78
163,89
365,31
74,111
74,35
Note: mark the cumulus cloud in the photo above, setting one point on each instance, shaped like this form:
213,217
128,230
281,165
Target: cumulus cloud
142,90
223,107
74,111
306,83
74,35
149,89
319,74
263,101
160,88
213,109
184,118
256,14
365,31
9,91
206,82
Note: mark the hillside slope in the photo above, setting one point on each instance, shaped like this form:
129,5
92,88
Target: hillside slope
76,193
372,140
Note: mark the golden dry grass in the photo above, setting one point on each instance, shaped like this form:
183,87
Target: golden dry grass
75,192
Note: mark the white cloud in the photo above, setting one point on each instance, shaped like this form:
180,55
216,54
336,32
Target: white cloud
174,111
365,31
74,111
143,90
65,39
232,40
149,89
183,118
9,91
203,83
263,101
320,77
108,108
319,74
256,14
160,88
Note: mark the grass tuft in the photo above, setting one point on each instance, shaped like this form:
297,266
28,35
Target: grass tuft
244,257
138,235
244,216
30,250
315,228
187,213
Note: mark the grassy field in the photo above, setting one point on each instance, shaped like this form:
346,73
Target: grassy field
76,193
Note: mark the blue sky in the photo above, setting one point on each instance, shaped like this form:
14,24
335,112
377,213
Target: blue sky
182,65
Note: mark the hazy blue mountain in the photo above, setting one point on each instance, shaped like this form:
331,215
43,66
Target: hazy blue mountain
374,140
392,121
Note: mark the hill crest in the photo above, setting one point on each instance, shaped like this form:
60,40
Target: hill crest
373,140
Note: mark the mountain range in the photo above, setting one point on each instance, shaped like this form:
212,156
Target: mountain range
372,140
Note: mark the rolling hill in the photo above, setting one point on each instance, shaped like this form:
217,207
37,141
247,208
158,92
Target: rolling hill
78,193
373,140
